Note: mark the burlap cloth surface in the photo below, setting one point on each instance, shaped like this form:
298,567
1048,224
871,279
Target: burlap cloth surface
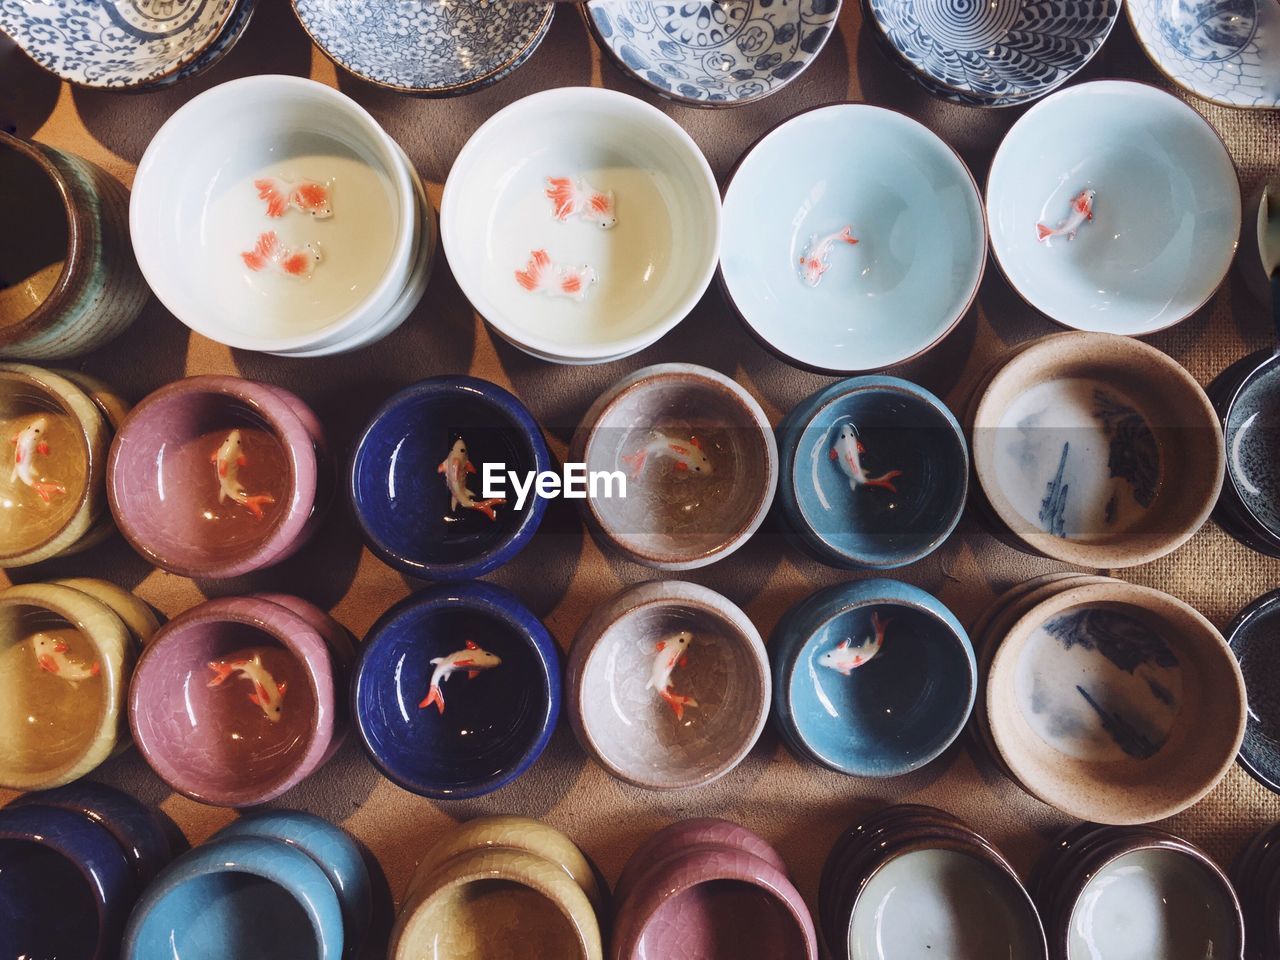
564,574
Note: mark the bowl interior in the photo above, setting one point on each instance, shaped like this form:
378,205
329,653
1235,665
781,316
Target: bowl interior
32,261
1254,644
907,199
637,730
1166,210
47,908
697,464
649,268
895,710
898,439
1253,447
723,920
477,919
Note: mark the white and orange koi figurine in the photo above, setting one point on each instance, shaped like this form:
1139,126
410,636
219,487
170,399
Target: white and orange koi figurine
846,657
577,198
542,275
267,694
816,259
1081,213
672,653
305,196
456,467
51,657
227,460
688,456
269,253
470,658
28,442
847,451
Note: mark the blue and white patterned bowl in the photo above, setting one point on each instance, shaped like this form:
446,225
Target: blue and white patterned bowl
1225,51
115,43
434,48
713,54
995,54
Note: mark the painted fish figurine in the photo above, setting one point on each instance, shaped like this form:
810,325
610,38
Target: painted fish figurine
267,694
270,254
846,657
305,196
816,259
455,467
542,275
28,442
1081,213
470,658
672,653
847,451
577,198
227,461
51,656
689,457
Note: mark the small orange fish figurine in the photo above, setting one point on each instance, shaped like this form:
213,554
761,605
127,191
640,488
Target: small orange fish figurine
541,275
267,694
227,461
306,196
816,260
28,442
270,253
1081,213
576,198
51,657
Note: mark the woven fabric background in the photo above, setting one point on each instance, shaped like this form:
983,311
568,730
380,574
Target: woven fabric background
797,806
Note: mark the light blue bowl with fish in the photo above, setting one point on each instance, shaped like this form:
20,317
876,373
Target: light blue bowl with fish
875,471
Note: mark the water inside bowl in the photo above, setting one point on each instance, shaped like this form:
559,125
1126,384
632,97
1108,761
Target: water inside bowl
32,258
1253,448
722,920
46,909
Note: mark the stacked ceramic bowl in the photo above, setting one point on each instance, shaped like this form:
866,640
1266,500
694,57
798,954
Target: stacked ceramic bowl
72,863
67,651
913,881
1138,892
271,885
273,213
1113,702
1256,875
498,880
713,890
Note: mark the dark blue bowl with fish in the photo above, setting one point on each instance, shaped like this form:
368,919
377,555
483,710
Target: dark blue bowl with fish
875,471
416,480
457,690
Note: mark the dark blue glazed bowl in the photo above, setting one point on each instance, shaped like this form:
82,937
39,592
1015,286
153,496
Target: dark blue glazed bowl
402,502
899,709
910,442
66,887
1254,636
492,727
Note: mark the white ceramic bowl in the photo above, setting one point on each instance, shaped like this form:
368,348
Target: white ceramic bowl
651,266
909,201
195,210
1166,214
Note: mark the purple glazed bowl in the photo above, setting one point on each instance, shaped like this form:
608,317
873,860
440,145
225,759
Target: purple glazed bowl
215,476
197,707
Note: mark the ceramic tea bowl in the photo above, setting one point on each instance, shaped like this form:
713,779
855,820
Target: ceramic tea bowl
233,702
1251,635
713,698
582,224
713,55
789,264
215,476
430,48
404,500
874,678
1115,703
1129,230
457,690
699,461
1097,450
875,471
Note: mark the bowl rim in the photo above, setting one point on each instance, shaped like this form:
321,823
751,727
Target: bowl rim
1254,612
521,425
982,246
598,99
500,604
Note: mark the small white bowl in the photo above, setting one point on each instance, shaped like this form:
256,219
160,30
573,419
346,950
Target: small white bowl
1166,210
195,210
650,267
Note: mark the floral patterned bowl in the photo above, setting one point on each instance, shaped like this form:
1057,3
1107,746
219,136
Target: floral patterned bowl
713,54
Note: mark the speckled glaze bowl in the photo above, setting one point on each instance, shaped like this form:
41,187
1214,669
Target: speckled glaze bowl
699,459
1255,874
233,702
189,498
1252,635
712,695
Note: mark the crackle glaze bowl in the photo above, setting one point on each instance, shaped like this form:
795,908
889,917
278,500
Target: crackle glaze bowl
713,54
864,256
1128,230
582,224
